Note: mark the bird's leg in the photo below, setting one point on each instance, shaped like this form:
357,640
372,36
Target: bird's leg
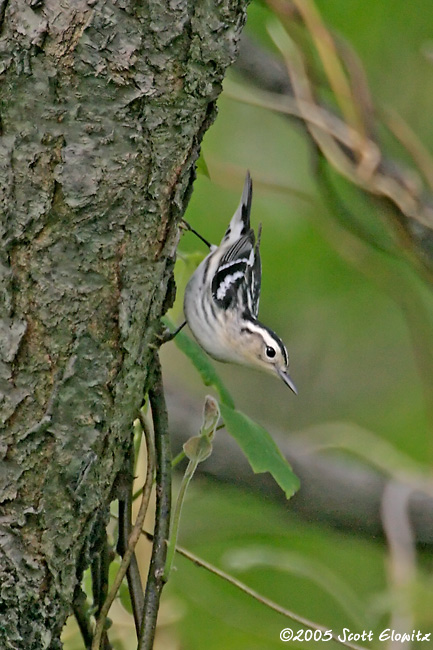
169,336
165,336
184,224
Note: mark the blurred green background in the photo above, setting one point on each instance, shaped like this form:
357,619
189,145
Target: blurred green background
356,326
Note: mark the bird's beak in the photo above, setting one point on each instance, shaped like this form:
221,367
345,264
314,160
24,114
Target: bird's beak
287,380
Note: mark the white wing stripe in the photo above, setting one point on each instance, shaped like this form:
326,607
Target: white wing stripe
232,263
225,284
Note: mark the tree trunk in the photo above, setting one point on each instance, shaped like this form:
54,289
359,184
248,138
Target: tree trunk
103,107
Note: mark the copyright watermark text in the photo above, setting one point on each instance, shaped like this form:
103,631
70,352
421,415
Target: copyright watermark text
287,634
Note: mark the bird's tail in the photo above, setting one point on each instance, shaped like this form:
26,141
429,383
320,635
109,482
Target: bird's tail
240,222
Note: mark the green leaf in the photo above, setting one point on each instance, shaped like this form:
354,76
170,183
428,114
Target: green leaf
202,166
125,598
201,361
186,264
261,451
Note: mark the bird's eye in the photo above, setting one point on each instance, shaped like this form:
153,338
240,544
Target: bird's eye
270,352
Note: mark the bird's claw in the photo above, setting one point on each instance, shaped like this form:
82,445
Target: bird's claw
161,337
164,336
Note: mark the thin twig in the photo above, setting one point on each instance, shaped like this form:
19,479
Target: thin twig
401,564
106,558
125,526
198,561
306,110
411,142
262,599
155,581
99,570
331,62
80,609
371,174
133,539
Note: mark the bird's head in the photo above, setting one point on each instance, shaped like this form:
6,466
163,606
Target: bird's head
260,347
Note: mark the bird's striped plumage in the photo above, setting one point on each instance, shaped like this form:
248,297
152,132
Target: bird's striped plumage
236,282
222,299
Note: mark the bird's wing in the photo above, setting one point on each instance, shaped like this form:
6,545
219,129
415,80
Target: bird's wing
236,282
253,281
237,279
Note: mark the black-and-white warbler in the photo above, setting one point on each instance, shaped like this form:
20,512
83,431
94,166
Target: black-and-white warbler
222,300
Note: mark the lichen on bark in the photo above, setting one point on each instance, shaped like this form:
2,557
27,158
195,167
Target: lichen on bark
103,105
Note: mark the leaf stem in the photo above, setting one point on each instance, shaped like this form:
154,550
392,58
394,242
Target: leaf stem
171,546
178,459
197,449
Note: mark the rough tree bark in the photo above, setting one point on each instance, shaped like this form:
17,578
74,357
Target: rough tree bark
103,107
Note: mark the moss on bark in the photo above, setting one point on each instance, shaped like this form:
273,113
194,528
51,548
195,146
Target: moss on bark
103,105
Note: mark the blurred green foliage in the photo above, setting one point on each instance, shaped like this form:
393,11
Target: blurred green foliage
218,616
344,317
356,321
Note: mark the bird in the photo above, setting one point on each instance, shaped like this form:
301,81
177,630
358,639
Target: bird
221,300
